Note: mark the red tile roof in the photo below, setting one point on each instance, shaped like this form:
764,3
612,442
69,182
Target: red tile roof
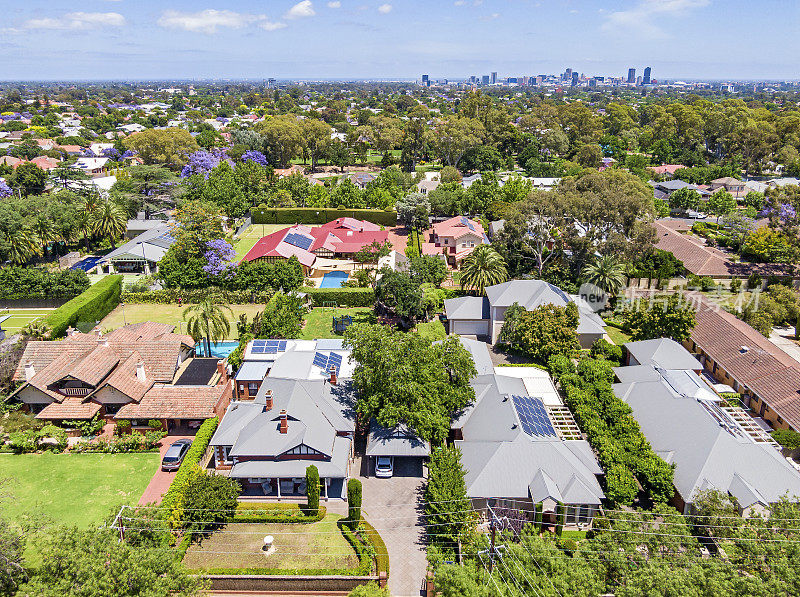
72,408
175,402
455,227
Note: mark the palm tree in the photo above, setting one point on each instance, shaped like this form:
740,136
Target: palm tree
606,273
208,321
22,246
109,219
483,267
46,232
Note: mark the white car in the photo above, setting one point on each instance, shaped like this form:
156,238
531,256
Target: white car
384,466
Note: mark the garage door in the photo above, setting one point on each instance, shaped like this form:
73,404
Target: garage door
469,328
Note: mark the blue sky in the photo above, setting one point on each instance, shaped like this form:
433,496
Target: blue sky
118,39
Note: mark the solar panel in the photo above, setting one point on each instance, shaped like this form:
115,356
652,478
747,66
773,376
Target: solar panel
273,343
270,349
282,345
533,416
258,349
298,240
335,360
320,360
464,221
259,342
470,226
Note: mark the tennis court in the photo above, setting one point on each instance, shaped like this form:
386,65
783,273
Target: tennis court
19,318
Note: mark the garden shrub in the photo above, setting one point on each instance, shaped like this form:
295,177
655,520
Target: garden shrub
48,438
87,427
736,284
610,352
92,305
354,502
169,296
276,513
381,551
319,215
343,297
754,281
134,442
312,489
18,282
786,438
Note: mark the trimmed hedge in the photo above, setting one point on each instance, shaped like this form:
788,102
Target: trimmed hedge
92,305
173,499
276,513
343,297
172,295
319,215
381,551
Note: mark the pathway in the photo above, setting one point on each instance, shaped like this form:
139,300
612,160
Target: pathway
162,479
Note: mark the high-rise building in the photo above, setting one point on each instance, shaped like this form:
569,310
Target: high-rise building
494,78
426,80
485,79
631,75
567,76
574,81
646,79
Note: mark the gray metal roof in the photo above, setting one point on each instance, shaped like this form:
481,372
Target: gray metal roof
400,441
467,307
253,371
150,245
480,355
528,293
336,467
664,353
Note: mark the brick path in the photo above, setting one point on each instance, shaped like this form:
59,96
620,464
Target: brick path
161,480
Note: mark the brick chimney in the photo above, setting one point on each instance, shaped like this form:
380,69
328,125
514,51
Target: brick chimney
284,422
29,371
333,375
268,398
223,374
140,374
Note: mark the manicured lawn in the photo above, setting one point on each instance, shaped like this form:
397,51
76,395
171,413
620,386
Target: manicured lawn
315,546
617,335
172,314
252,235
318,323
73,489
20,318
433,330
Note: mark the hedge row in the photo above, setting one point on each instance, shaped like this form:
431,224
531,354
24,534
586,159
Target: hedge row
173,295
319,215
381,551
343,297
92,305
173,499
276,513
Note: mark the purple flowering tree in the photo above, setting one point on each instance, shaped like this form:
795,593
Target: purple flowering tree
112,153
88,153
202,162
219,257
5,190
787,212
255,156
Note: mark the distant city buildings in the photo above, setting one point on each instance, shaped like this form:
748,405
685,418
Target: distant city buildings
494,78
646,79
631,75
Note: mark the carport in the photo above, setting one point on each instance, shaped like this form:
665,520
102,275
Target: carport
400,443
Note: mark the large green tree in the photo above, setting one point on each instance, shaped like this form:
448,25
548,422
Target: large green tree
662,317
483,267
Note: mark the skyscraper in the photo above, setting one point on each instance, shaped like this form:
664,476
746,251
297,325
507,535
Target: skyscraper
646,79
485,80
631,75
494,78
426,81
574,81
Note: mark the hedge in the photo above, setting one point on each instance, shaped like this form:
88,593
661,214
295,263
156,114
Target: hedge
381,551
92,305
343,297
319,215
173,295
276,513
173,499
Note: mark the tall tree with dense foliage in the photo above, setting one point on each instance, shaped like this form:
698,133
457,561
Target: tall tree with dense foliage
413,211
661,317
447,506
606,273
208,321
403,378
398,294
170,147
481,268
542,332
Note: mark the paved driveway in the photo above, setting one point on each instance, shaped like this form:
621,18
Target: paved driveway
392,506
162,479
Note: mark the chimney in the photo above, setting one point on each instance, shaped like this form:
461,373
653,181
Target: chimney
29,371
268,398
333,375
221,371
140,375
101,339
284,422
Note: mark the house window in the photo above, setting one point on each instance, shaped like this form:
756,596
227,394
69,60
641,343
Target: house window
583,514
252,388
302,449
226,455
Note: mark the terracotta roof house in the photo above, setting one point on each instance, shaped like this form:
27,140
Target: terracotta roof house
45,163
734,186
667,169
133,372
457,237
8,160
338,239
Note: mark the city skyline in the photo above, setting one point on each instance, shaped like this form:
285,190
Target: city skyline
391,39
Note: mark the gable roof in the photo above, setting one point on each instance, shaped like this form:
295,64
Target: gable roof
662,352
458,226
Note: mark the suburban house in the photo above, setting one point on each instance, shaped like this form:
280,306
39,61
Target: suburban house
667,170
141,254
339,239
484,316
138,372
662,190
728,183
457,237
520,445
302,413
714,445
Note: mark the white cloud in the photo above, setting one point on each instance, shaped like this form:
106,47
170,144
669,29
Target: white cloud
643,18
78,20
209,20
334,4
385,9
300,10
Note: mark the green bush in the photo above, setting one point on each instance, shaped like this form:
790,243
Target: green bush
736,284
610,352
155,425
316,215
122,425
170,296
92,305
87,427
33,440
754,281
276,513
312,489
343,297
354,502
786,438
134,442
381,551
18,282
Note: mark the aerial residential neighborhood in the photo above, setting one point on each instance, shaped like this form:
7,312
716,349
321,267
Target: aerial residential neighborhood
393,299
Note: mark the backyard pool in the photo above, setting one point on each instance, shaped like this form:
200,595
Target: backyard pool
333,279
220,350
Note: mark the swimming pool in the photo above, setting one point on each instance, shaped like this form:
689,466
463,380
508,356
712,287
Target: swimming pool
221,350
333,279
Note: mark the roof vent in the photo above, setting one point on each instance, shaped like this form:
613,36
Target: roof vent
744,349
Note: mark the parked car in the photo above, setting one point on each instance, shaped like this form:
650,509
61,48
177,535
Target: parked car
384,466
175,455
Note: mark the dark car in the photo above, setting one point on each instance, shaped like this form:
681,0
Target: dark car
175,455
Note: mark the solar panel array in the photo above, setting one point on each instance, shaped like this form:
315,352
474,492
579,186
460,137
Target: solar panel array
298,240
533,416
268,346
467,223
325,362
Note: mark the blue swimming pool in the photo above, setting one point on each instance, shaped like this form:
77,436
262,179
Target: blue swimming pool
220,350
86,263
333,279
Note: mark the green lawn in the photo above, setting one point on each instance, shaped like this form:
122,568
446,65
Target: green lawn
315,546
252,235
318,323
617,335
172,314
433,330
19,318
73,489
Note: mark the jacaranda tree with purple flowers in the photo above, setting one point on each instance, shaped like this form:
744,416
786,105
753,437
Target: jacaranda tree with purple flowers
5,190
219,257
203,162
255,156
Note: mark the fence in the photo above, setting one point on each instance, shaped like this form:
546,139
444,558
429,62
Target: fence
287,583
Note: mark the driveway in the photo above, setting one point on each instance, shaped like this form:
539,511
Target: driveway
783,338
393,507
162,479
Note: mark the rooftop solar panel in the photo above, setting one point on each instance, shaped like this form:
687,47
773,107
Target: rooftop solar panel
335,360
270,349
320,360
298,240
470,226
533,416
464,221
259,342
258,349
282,345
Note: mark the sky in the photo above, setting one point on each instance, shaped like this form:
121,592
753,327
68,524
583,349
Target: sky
396,39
